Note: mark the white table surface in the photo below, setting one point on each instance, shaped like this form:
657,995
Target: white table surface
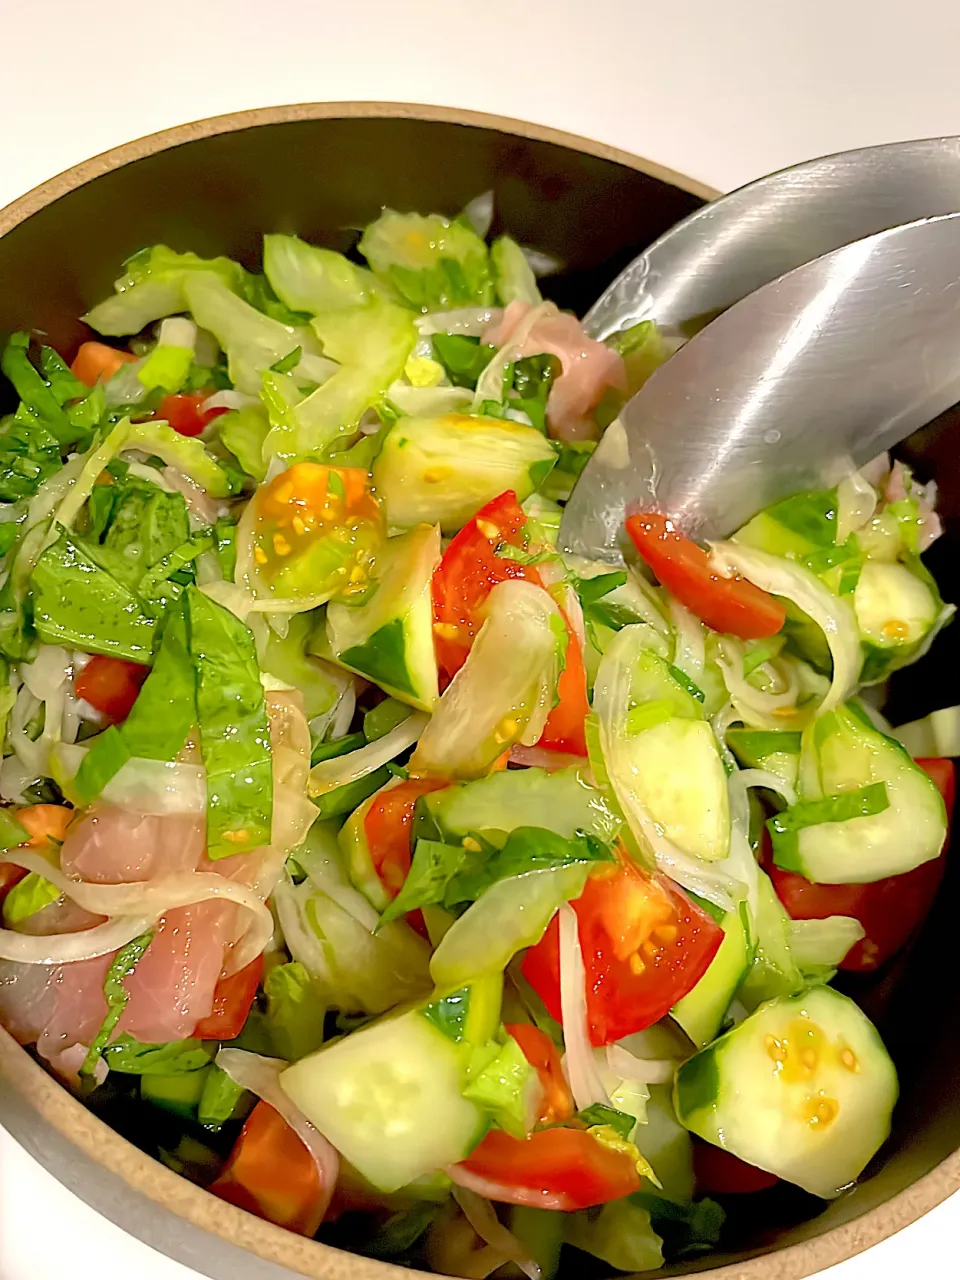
721,89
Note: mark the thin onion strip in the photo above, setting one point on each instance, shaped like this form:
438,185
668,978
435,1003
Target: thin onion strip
832,614
67,948
262,1076
585,1082
504,1194
328,775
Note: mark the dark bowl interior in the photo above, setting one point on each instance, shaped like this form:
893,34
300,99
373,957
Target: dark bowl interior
323,178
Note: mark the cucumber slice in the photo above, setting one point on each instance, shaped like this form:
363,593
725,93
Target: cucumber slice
702,1010
561,802
802,1088
898,610
842,754
179,1092
678,777
390,638
894,607
388,1098
443,470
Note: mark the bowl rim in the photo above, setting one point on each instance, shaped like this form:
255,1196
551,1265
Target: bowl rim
166,1192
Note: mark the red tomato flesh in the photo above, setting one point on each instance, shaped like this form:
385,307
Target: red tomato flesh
185,412
272,1174
719,1173
732,605
110,685
559,1168
889,910
468,572
232,999
387,826
644,944
543,1055
565,728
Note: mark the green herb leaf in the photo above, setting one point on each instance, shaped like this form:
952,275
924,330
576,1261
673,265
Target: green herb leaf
338,747
122,966
295,1011
783,827
463,358
234,733
287,363
27,897
132,1057
619,1121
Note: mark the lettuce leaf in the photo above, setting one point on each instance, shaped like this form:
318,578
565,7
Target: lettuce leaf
312,279
152,287
437,265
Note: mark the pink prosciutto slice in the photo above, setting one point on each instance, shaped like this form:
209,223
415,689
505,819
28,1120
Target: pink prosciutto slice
588,366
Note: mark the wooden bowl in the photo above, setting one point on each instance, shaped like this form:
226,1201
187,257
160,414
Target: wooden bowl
323,170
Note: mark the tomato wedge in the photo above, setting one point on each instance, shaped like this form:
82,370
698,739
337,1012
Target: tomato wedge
644,944
388,824
732,605
110,685
185,412
43,823
95,361
565,729
468,572
889,910
272,1174
232,999
553,1168
719,1173
543,1055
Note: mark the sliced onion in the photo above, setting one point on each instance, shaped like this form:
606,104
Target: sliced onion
832,614
153,898
626,1066
479,213
482,1216
344,712
585,1082
540,263
691,653
502,1193
770,781
65,948
262,1076
856,503
341,770
757,708
542,758
471,321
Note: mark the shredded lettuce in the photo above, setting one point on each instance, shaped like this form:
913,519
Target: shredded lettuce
152,286
435,264
254,342
308,278
513,276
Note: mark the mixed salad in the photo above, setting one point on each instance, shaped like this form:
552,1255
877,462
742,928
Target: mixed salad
382,869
